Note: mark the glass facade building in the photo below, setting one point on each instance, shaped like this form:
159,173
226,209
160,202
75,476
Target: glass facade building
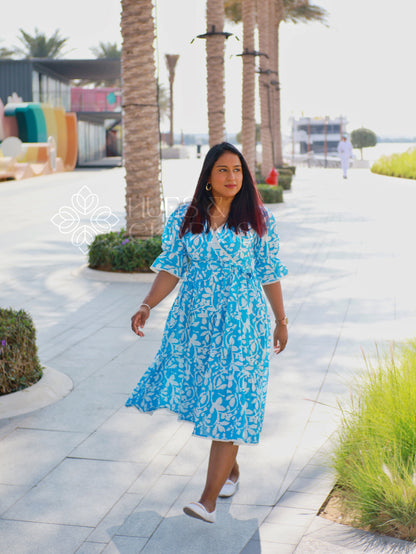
49,81
50,90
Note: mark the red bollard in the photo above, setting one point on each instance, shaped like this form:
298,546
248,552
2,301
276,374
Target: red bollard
273,177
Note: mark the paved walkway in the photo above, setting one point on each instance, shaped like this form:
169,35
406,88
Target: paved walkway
87,475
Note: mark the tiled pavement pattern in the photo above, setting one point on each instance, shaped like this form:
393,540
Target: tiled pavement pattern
87,475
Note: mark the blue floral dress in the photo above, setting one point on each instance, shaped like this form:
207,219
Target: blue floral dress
212,367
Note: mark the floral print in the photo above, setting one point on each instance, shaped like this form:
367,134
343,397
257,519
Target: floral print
212,366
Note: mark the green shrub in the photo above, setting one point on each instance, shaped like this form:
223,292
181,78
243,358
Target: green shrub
285,180
116,251
375,452
287,169
270,194
291,168
19,363
284,171
397,165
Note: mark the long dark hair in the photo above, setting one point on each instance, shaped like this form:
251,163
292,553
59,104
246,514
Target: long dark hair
246,209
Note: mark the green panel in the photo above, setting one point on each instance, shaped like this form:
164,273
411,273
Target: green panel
42,134
21,118
31,122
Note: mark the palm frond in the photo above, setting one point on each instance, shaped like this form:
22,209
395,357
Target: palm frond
106,50
232,9
39,45
304,13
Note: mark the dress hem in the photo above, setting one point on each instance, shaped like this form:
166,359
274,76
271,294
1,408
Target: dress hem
237,442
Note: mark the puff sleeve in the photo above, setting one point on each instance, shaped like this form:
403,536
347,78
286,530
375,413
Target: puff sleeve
174,258
267,264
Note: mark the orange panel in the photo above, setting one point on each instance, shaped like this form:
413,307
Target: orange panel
62,143
72,136
43,153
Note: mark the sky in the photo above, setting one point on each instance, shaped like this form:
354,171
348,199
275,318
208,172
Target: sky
359,66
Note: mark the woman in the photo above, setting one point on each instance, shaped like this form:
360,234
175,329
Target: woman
212,367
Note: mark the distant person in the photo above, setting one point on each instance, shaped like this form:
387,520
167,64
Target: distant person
345,153
212,367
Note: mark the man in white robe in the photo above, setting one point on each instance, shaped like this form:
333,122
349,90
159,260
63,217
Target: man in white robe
345,153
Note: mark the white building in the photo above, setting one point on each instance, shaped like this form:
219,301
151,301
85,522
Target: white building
318,135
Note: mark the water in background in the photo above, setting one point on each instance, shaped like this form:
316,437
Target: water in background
384,149
370,154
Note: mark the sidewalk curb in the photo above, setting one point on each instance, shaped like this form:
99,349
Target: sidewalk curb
112,276
52,386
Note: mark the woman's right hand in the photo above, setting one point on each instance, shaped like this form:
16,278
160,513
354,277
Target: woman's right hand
139,319
163,284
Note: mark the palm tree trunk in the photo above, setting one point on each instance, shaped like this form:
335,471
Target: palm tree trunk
277,138
248,132
215,71
273,73
140,120
264,88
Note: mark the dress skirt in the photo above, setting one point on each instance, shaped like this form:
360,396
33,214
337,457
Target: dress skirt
212,366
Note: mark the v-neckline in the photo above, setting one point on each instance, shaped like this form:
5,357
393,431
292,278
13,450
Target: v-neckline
218,248
220,228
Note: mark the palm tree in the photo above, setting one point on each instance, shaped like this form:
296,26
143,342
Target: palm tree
215,70
171,61
295,11
273,12
248,128
266,131
276,17
39,45
140,119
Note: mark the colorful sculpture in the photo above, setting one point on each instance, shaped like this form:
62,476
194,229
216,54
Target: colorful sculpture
48,136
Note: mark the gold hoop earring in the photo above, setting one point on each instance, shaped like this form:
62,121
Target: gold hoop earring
208,186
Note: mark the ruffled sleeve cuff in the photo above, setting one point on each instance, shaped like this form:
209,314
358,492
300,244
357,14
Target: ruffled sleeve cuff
168,261
268,266
272,274
174,258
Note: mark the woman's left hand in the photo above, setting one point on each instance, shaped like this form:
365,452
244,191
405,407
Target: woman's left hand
280,337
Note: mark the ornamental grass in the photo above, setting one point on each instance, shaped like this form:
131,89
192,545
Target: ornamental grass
375,453
397,165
